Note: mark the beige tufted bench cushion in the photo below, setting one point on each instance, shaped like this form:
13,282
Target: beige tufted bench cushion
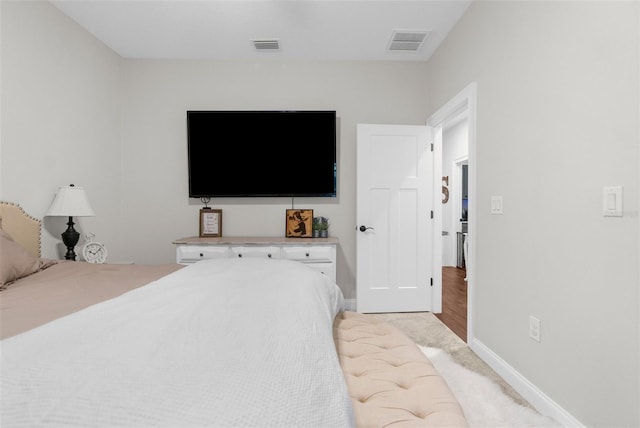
391,382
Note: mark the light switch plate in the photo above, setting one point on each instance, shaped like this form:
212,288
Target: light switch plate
496,205
612,201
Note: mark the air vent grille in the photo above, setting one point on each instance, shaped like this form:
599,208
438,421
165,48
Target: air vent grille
402,40
266,45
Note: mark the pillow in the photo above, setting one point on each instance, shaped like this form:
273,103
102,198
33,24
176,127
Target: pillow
15,261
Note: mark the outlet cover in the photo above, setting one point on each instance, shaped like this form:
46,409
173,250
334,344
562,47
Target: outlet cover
534,328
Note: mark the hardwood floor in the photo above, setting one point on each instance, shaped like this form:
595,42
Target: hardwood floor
454,300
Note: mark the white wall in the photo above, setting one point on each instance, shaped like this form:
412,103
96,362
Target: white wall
557,119
60,119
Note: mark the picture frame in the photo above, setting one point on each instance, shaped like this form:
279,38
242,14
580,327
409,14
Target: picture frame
210,223
299,223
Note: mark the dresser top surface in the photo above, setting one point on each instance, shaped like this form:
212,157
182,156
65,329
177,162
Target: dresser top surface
256,240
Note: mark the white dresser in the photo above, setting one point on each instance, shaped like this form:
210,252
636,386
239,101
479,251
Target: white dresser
318,253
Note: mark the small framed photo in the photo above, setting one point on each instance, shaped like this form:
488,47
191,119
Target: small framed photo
210,222
299,223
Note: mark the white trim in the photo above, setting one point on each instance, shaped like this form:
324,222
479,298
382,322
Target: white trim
350,305
465,99
524,387
436,226
638,237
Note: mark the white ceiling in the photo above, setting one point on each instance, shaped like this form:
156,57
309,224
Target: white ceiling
226,29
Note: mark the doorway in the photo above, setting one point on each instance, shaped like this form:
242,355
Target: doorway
455,156
454,126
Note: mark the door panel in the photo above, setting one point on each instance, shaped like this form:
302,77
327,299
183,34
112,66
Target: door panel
395,193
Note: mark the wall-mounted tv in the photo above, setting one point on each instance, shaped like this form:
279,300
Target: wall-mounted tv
262,153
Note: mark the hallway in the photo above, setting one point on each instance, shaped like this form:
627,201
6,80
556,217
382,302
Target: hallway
454,300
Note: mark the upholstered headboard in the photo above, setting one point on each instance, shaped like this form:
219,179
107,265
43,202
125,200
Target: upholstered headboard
23,228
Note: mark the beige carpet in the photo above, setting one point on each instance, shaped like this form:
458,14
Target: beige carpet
426,329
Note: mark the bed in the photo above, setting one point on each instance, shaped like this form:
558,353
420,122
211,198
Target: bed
228,343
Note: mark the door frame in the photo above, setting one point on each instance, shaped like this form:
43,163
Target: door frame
464,100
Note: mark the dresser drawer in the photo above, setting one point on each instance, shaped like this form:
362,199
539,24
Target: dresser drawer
194,253
308,253
320,256
251,251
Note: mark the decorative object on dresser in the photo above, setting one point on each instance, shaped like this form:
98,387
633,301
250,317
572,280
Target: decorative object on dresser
320,227
70,201
318,254
210,222
299,223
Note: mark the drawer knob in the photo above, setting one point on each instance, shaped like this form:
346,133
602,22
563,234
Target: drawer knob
269,255
201,255
240,255
307,254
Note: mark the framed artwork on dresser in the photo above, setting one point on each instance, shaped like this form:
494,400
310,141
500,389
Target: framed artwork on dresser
210,222
299,223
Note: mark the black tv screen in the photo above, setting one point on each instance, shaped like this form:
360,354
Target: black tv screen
261,153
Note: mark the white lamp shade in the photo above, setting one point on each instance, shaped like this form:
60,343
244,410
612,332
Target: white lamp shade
71,201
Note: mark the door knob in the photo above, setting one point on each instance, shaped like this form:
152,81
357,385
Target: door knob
364,228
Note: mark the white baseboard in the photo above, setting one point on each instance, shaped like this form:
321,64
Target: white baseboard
524,387
350,304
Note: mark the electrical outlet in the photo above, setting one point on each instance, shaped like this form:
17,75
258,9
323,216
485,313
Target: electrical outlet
534,328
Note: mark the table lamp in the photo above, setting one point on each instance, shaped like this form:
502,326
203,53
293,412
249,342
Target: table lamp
70,201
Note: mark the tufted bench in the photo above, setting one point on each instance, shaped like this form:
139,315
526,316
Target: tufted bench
391,382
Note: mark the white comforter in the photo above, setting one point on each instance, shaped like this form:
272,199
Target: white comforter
228,343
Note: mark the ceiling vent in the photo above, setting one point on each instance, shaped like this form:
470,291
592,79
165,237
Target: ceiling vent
407,41
266,45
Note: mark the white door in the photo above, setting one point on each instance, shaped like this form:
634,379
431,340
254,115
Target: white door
394,242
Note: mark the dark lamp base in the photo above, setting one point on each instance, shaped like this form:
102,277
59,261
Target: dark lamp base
70,238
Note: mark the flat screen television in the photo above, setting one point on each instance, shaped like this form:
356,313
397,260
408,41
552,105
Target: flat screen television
262,153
